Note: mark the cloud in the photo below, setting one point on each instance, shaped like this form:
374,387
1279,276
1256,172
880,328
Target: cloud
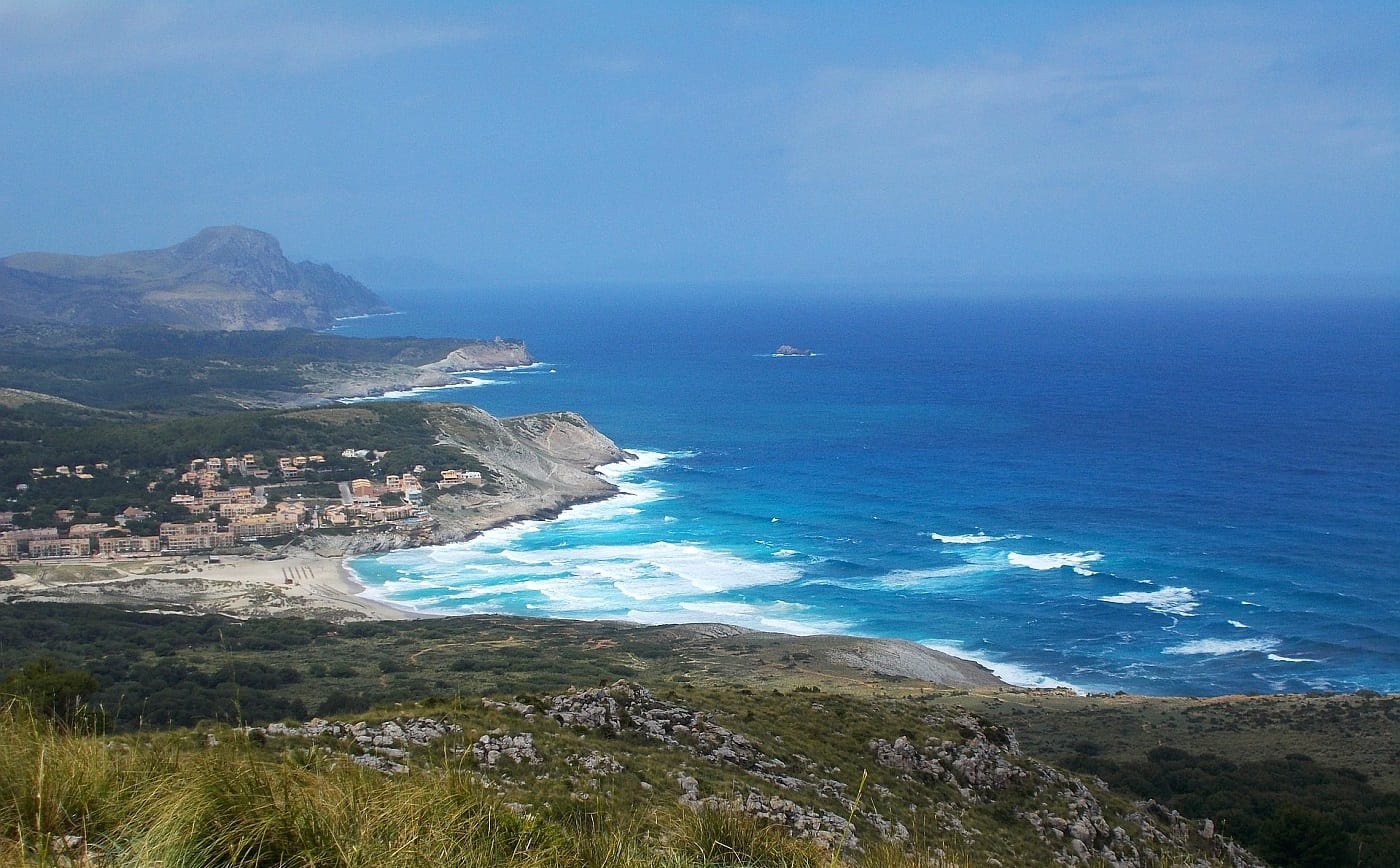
1160,99
103,38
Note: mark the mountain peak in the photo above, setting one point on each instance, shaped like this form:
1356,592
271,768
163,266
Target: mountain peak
240,240
225,277
236,256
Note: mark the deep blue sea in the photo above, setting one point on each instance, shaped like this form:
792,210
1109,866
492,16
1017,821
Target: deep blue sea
1164,497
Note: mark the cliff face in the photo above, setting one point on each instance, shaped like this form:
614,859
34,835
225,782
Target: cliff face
541,465
483,356
540,453
224,278
537,466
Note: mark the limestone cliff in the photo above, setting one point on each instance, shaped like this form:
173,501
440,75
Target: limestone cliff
331,381
483,356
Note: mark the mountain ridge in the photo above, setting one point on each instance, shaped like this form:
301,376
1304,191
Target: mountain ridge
224,278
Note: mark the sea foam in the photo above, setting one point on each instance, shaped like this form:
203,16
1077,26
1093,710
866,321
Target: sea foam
1222,647
1011,673
1166,601
505,570
463,383
1075,560
778,616
966,539
509,369
931,579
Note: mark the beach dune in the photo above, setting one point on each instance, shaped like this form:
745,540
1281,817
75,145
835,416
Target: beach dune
297,583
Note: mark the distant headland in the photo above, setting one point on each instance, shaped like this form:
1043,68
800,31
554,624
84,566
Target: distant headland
224,278
790,350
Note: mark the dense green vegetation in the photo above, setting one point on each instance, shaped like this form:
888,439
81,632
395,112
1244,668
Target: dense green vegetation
51,690
163,670
168,370
1290,810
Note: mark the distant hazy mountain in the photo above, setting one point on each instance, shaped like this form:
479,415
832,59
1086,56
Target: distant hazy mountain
226,277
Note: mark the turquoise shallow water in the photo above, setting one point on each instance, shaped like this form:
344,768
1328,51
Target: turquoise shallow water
1158,497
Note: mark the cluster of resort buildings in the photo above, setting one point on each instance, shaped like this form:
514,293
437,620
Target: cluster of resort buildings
229,515
77,471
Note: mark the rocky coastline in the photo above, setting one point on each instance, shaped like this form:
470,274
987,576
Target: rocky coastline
328,382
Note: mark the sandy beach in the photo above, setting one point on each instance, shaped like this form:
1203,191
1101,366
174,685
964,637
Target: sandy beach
299,583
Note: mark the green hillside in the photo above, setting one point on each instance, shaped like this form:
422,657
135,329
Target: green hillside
615,744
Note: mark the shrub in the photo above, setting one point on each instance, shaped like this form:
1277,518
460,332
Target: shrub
52,690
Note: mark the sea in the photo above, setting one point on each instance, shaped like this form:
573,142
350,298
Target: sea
1176,494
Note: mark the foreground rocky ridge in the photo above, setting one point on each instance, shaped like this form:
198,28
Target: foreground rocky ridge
962,773
773,730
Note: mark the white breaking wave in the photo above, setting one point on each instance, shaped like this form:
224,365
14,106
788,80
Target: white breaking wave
631,494
493,572
1234,623
1167,601
915,579
966,539
777,615
774,617
1018,676
510,369
656,570
1279,658
645,459
1222,647
466,383
364,316
1075,560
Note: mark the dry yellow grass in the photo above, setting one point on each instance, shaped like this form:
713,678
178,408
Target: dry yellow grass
73,799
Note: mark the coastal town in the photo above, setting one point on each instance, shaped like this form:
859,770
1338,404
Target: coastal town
217,504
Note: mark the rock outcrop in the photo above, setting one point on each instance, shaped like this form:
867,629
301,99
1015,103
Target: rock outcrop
224,278
983,767
483,356
384,747
954,776
491,751
630,708
986,764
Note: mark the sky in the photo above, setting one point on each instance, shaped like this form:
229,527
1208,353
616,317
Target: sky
653,143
